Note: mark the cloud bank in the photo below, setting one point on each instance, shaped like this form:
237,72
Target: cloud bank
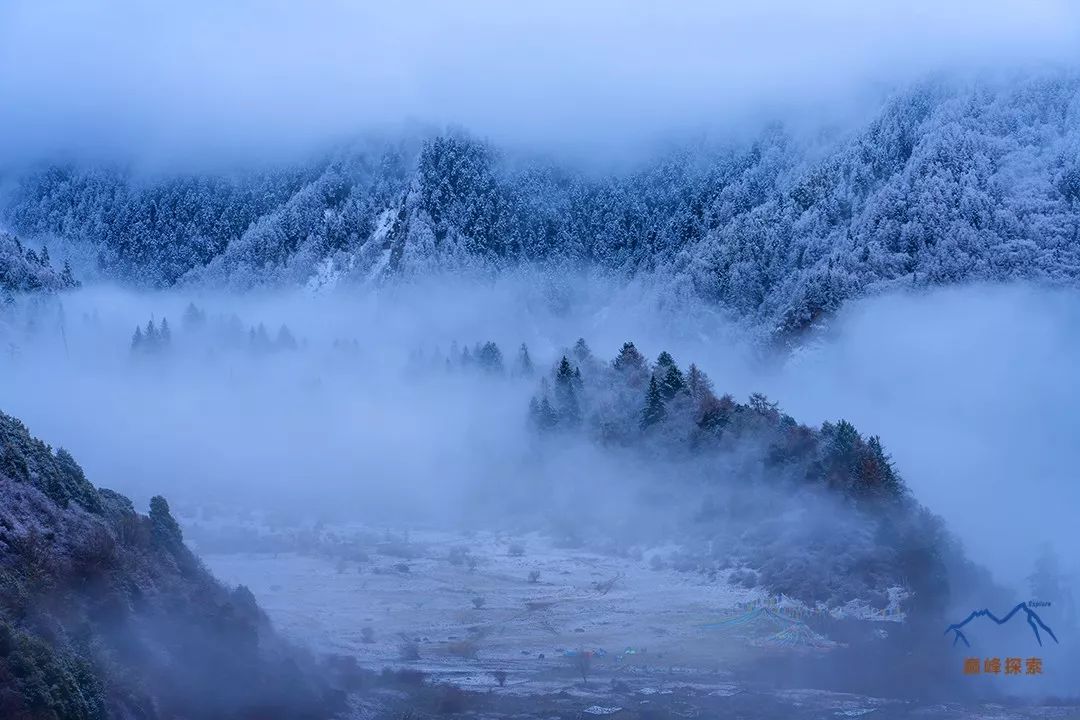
255,78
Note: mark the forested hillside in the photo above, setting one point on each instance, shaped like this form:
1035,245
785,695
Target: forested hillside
816,513
949,182
104,612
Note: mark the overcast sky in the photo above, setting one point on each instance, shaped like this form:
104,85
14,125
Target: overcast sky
206,76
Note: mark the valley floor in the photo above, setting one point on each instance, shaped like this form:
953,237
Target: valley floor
531,630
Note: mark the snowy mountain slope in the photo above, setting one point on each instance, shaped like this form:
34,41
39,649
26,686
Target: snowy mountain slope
950,182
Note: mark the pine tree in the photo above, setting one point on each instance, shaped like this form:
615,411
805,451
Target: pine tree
490,359
672,382
259,339
629,358
581,350
67,277
654,411
663,362
842,446
193,318
137,340
881,471
546,416
45,260
524,362
285,339
150,337
534,412
566,392
164,334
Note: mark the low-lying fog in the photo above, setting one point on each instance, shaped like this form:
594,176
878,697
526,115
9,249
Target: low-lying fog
973,391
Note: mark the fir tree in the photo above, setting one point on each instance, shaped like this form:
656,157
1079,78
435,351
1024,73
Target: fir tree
164,334
67,277
542,414
672,382
878,468
524,362
259,339
193,318
581,351
629,358
663,362
654,411
490,359
566,381
150,337
285,339
137,340
534,412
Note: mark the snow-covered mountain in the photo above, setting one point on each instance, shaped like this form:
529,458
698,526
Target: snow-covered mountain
949,182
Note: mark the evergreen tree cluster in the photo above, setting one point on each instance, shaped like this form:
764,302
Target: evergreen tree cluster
25,270
153,340
222,333
753,453
260,342
949,182
486,358
628,402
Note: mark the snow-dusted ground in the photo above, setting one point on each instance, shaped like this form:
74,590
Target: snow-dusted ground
626,613
658,642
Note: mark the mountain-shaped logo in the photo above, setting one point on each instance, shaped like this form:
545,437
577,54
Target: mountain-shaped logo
1033,620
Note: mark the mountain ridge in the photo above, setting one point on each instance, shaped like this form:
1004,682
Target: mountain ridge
951,182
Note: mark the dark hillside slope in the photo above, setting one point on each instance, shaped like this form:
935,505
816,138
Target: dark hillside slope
104,612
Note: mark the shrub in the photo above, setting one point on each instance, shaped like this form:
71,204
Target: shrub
479,601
